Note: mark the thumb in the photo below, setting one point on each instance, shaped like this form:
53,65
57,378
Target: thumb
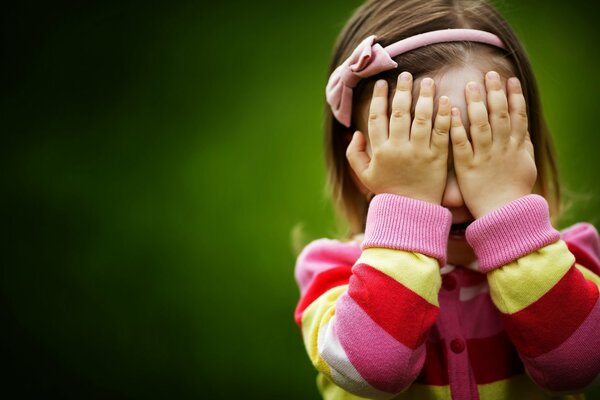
356,153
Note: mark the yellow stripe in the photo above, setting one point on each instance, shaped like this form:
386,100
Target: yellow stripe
330,391
314,317
522,282
589,275
518,387
416,271
425,392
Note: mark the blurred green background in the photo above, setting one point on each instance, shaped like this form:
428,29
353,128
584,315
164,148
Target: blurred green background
156,157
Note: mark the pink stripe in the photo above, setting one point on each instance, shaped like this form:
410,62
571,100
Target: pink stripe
480,318
511,232
383,362
398,222
584,238
321,255
575,363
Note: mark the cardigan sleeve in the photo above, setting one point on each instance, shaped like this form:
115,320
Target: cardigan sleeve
365,312
548,300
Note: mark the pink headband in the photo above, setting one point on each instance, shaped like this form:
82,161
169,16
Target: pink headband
369,59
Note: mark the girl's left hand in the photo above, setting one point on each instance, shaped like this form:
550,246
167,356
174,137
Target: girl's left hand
497,164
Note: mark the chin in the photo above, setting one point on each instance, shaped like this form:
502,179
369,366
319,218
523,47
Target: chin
459,251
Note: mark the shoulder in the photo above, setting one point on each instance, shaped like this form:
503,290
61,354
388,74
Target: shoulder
583,241
324,254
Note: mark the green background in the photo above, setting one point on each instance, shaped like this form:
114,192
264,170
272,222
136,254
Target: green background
156,157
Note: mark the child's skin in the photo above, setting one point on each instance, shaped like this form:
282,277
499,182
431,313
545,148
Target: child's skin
471,169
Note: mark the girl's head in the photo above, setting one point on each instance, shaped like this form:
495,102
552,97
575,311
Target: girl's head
451,65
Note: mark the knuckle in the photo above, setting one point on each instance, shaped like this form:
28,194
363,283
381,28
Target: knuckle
439,132
486,158
373,116
522,113
398,113
421,120
431,156
502,115
461,144
482,125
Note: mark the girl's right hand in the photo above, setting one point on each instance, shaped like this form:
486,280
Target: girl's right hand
407,159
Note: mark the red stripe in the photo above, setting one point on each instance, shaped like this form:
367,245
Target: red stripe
398,310
322,282
553,318
585,259
493,358
435,369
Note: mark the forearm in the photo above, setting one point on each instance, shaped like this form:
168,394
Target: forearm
550,308
368,335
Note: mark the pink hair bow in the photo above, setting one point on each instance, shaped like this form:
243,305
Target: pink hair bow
367,59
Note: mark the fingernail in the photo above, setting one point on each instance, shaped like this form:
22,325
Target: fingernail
427,82
443,101
455,112
405,76
515,82
493,76
473,87
381,83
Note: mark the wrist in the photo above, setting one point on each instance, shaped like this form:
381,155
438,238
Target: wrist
491,203
433,198
404,223
511,231
436,200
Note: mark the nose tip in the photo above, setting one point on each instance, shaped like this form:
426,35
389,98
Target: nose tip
452,196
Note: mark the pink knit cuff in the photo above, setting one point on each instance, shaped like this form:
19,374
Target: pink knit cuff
511,232
403,223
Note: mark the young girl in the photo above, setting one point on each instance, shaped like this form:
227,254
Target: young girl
460,287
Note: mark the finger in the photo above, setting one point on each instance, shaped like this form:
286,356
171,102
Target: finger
400,119
529,146
357,155
378,119
498,106
461,147
441,126
517,110
481,132
420,131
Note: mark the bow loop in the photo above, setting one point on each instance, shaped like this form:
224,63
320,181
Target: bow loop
366,60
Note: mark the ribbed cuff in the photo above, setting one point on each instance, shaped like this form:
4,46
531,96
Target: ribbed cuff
403,223
511,232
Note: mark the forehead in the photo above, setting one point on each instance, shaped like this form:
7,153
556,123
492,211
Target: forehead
453,79
473,68
451,82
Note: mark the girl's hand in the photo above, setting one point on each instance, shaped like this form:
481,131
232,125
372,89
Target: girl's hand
497,165
407,159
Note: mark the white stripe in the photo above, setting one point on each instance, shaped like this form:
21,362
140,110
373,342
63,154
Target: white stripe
474,266
447,269
343,372
470,292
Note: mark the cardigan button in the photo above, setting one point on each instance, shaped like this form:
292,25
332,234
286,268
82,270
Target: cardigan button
448,282
457,346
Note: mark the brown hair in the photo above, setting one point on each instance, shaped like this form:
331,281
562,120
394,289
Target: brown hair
393,20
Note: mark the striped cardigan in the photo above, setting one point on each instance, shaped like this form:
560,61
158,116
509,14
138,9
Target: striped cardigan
380,319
